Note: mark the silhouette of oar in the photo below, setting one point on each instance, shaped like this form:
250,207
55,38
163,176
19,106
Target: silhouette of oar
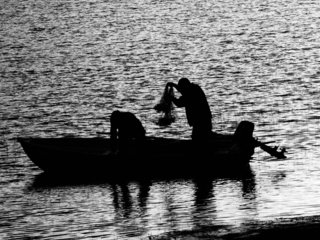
273,151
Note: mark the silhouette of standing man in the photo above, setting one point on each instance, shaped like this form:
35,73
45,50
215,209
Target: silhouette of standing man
197,108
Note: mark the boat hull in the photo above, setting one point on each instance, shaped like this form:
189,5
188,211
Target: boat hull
155,157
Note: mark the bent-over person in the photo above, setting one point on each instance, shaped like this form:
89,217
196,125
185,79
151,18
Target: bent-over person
197,108
125,126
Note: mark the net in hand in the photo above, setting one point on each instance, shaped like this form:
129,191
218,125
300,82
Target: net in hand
165,106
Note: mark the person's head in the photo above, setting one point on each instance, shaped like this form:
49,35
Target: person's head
115,115
183,84
244,131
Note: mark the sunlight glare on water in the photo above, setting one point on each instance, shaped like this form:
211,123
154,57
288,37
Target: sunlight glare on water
66,65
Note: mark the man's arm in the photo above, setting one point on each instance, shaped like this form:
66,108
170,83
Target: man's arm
171,84
179,102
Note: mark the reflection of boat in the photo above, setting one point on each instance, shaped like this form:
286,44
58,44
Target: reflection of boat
153,157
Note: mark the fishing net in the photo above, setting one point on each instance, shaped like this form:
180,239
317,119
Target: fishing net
165,106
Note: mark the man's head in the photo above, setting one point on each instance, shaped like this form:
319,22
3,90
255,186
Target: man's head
183,84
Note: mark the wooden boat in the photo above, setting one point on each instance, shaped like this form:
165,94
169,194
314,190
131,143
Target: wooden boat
154,157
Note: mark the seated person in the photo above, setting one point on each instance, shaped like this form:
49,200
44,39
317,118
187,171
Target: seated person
125,126
243,141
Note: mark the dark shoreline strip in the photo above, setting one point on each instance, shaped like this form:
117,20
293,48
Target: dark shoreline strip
282,228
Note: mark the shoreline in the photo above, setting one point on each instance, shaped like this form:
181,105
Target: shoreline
282,228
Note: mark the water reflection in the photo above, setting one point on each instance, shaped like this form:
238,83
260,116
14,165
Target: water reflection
278,176
249,187
203,192
207,200
139,208
129,202
204,202
123,200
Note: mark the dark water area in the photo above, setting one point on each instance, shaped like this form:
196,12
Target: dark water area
66,65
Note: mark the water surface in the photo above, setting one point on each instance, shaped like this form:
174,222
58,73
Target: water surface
66,65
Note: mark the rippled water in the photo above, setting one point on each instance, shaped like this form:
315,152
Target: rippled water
65,65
